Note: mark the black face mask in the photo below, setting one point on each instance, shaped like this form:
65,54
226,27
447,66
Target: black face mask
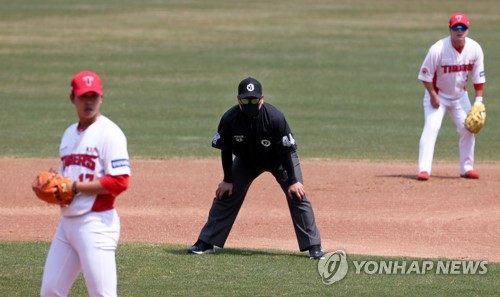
250,110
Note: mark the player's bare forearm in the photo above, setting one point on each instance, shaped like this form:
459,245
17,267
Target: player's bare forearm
433,94
479,93
478,88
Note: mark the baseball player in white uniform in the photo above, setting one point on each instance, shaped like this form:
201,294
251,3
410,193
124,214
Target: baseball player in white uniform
94,156
444,73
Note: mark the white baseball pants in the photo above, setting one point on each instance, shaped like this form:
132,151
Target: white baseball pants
458,110
83,243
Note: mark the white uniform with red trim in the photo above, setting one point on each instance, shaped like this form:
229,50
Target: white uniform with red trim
88,233
449,70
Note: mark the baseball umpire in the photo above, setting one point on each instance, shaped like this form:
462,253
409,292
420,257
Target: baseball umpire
258,135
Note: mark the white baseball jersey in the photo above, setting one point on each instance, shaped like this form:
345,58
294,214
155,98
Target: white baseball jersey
448,69
89,155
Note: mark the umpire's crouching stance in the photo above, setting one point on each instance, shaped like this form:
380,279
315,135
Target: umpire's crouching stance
258,135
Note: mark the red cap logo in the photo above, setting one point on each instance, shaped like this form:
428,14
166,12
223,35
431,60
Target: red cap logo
88,80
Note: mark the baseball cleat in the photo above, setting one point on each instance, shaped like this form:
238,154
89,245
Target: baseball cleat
201,248
423,175
471,174
315,252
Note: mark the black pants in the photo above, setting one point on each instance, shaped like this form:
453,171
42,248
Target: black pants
223,212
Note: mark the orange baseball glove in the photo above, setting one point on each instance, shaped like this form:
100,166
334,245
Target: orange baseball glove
53,188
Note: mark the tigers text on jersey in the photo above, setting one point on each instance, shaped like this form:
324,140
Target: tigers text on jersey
90,155
256,141
448,69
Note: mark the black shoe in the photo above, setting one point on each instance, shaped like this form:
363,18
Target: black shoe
201,248
315,252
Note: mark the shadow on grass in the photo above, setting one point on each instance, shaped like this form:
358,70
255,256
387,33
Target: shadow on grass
240,252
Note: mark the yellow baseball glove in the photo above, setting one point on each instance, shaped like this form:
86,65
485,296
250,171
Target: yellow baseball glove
53,188
475,120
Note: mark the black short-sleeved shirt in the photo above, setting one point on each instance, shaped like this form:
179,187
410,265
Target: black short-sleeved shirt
257,142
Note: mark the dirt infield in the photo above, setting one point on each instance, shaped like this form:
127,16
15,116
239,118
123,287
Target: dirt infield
375,208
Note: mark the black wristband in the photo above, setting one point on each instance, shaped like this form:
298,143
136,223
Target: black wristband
73,188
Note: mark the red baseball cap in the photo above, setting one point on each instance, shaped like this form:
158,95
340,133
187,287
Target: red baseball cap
459,18
86,81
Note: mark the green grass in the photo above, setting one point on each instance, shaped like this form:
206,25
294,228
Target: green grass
344,72
167,270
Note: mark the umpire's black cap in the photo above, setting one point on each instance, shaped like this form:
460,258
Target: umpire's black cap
250,87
